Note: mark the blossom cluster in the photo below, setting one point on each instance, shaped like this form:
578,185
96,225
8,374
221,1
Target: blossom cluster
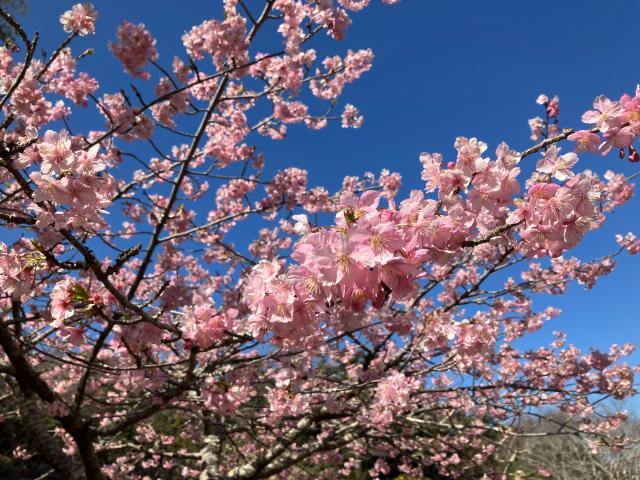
378,255
135,49
616,126
81,19
164,271
69,176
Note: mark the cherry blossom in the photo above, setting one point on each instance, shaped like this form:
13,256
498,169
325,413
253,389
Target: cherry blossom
177,303
557,166
606,114
81,19
585,141
351,117
136,47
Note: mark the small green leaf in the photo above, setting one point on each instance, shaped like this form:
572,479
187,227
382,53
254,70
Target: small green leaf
78,293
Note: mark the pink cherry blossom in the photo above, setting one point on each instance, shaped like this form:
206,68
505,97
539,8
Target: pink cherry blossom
557,166
585,141
536,125
606,114
224,40
351,117
162,270
135,49
81,19
62,300
629,242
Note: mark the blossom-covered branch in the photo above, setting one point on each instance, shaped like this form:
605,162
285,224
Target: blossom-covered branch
353,331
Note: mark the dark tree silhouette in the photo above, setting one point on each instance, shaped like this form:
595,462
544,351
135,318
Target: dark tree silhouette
13,7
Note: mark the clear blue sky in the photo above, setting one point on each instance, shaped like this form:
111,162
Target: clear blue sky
444,69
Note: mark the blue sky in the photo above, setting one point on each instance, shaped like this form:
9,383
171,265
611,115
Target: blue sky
444,69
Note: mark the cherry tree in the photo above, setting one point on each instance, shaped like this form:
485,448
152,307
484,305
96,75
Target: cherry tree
353,331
